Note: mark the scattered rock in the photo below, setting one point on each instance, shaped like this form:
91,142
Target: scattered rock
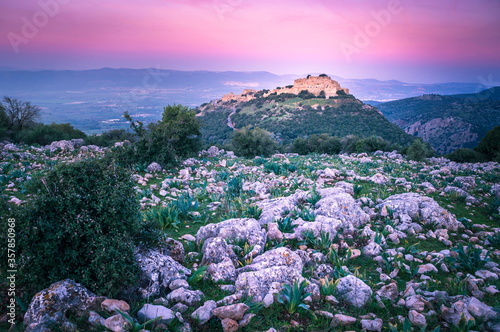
272,209
223,271
426,268
154,168
186,296
372,325
417,319
174,249
49,307
412,206
157,272
233,311
259,283
454,314
242,229
246,320
275,257
342,320
339,205
229,325
389,291
150,311
117,323
480,310
111,305
204,313
353,291
95,319
216,250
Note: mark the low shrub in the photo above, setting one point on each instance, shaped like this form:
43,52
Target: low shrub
81,222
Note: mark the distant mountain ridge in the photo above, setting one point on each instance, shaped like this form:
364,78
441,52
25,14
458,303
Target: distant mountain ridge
447,122
312,105
94,100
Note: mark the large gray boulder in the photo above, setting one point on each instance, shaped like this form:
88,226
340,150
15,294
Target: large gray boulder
64,146
48,308
411,208
157,272
272,209
239,229
260,283
465,182
223,271
338,204
276,257
353,291
216,250
321,224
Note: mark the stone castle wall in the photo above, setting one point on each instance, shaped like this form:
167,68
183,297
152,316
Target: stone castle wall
313,84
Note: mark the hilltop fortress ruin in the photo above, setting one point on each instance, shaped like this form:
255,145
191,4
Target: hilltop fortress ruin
312,84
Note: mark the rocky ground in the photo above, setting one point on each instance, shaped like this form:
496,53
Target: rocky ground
295,243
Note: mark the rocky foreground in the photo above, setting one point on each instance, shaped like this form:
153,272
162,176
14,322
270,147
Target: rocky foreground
365,242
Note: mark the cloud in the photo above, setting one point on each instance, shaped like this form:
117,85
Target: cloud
243,84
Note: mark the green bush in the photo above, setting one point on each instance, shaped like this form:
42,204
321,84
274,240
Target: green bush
418,150
322,143
81,222
372,144
45,134
249,143
177,135
490,144
466,156
349,143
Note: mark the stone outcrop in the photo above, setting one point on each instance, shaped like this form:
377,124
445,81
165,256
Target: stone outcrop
50,306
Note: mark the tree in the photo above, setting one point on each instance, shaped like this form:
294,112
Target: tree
249,142
176,135
4,120
417,151
465,155
372,144
490,144
20,114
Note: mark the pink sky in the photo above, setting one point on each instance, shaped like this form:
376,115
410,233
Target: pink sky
408,40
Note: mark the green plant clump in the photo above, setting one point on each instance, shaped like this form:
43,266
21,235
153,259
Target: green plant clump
469,259
89,211
292,297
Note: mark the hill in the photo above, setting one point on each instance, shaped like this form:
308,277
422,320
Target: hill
94,100
447,122
312,105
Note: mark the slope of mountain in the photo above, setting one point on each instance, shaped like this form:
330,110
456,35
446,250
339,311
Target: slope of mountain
447,122
312,105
